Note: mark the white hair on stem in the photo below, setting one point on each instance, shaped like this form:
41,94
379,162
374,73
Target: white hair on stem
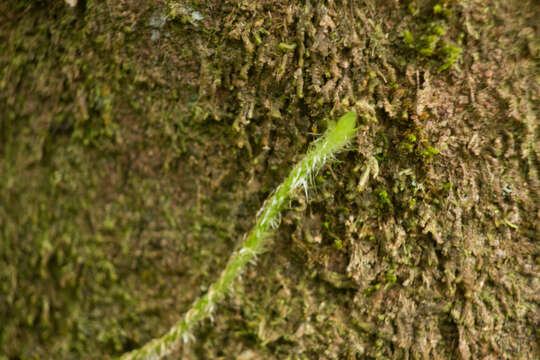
320,152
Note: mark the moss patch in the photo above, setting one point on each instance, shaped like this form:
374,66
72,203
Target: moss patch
138,140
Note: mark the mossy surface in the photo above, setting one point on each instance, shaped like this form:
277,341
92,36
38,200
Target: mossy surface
138,139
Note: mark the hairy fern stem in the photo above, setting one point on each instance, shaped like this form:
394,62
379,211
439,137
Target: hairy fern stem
321,151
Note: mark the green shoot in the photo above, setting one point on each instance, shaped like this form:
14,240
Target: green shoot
322,151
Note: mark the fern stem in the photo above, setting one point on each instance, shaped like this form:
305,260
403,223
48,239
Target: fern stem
321,151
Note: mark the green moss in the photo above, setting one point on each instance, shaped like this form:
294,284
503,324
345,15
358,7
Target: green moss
287,47
407,146
450,54
427,153
431,41
408,38
390,277
441,9
383,198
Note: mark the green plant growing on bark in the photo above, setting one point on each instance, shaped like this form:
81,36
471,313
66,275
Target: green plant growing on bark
432,42
321,152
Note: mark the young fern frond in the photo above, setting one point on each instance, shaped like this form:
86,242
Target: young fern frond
321,151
